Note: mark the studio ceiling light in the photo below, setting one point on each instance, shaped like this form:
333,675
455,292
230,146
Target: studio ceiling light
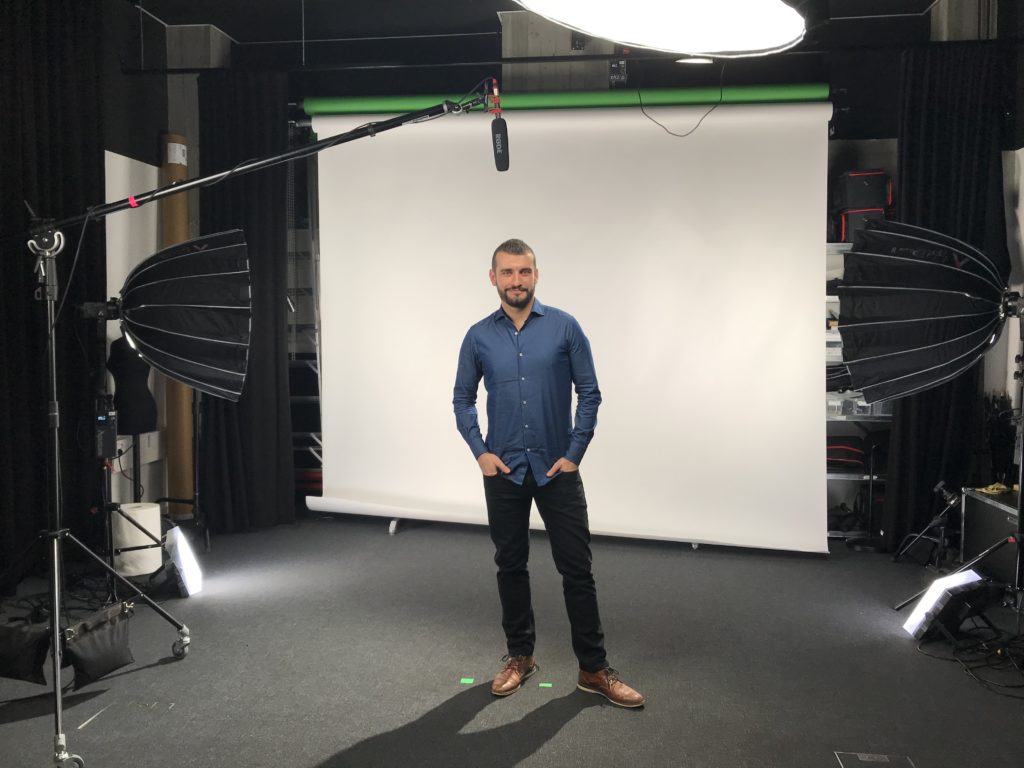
725,28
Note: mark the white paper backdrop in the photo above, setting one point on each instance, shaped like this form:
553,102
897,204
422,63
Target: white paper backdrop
695,266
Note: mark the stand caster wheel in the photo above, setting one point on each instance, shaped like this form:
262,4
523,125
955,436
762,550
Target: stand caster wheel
179,649
72,761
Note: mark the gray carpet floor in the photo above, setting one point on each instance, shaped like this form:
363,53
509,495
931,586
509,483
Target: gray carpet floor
331,644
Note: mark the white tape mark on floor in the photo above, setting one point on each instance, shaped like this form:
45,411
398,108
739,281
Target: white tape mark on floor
95,716
865,759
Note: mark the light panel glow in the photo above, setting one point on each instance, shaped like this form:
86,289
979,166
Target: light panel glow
930,604
180,552
726,28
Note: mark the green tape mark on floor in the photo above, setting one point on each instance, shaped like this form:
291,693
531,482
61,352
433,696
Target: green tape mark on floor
544,685
467,681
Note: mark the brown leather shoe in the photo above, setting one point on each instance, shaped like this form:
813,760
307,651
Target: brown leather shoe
513,674
606,682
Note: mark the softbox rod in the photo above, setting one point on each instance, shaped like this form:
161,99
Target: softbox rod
370,129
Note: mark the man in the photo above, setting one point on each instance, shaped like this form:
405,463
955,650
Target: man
530,356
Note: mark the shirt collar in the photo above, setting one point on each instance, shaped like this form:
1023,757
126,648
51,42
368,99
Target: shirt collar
538,309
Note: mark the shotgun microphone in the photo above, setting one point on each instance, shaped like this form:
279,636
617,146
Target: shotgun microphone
499,131
499,143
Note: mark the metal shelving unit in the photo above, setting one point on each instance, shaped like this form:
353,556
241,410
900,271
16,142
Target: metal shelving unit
304,326
849,407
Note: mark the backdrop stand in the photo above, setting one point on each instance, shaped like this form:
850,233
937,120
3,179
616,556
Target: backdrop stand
871,542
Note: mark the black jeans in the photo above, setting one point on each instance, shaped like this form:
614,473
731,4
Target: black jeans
563,507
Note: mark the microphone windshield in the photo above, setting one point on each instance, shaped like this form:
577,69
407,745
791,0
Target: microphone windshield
499,143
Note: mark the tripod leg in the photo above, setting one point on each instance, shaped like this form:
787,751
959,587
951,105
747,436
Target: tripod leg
56,648
940,549
138,525
61,757
906,547
111,585
965,567
939,520
180,647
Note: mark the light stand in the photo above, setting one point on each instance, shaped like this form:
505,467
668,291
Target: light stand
46,246
939,522
46,243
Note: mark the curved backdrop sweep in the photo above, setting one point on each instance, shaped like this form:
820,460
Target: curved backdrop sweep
695,266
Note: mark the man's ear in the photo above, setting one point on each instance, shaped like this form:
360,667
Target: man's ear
490,273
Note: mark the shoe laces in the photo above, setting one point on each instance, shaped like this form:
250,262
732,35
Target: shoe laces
612,676
513,662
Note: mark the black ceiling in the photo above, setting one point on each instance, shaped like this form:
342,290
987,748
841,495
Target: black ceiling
262,21
339,47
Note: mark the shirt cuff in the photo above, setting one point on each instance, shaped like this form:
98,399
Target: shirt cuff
575,454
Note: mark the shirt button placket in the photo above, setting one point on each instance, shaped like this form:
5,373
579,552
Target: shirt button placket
522,378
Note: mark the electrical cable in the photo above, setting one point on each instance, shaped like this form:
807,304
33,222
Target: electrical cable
721,97
74,265
121,469
482,85
998,654
228,174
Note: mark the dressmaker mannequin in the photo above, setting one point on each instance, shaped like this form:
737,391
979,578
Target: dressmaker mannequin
134,403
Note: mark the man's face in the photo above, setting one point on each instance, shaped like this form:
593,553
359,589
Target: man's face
515,277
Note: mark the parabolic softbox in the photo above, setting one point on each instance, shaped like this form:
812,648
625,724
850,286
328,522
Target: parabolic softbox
187,311
916,309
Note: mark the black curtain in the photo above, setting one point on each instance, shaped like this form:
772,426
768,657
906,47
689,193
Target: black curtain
246,466
950,180
51,135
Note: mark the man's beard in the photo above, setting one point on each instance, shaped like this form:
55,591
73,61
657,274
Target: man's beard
519,303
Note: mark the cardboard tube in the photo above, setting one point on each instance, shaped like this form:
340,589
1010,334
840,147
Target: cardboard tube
139,562
173,230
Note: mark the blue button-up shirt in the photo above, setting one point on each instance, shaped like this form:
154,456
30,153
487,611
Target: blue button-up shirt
529,375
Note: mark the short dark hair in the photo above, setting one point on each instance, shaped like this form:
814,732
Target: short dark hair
514,246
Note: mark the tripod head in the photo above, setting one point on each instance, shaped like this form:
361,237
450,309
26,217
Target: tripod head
950,498
45,239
